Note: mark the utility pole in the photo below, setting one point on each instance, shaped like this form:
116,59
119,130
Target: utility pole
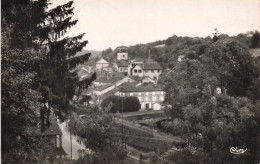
70,140
122,108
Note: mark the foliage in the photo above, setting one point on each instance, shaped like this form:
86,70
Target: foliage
105,148
37,70
175,127
130,104
255,40
57,79
20,105
215,122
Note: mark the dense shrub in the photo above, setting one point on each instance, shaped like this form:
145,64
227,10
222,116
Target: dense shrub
114,104
176,127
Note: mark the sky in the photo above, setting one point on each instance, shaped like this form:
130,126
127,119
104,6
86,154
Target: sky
111,23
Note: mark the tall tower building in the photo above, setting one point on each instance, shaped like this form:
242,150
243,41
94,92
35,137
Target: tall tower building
122,53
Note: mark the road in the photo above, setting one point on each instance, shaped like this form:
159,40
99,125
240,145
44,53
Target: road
66,142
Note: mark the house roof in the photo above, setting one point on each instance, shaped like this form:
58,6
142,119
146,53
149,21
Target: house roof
150,66
132,87
143,60
122,63
102,87
108,79
109,93
102,61
137,78
122,47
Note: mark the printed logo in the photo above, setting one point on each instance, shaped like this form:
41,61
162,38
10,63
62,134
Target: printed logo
234,150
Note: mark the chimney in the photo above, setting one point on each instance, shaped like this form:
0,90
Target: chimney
149,55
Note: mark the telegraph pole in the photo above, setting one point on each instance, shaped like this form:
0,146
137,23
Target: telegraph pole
70,140
122,103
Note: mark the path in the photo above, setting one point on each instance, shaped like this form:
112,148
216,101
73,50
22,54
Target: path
66,142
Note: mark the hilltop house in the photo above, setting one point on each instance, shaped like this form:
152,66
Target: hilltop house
102,63
150,96
145,68
149,69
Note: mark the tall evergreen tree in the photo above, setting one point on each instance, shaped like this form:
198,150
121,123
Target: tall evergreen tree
57,79
19,103
38,69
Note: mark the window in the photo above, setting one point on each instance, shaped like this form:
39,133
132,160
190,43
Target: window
123,56
135,71
146,106
140,71
152,71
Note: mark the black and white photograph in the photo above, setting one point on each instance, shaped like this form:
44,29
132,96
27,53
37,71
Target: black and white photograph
130,82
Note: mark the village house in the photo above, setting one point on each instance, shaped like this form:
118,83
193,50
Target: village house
150,96
150,68
122,65
101,64
53,135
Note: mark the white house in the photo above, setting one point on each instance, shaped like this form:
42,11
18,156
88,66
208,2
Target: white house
122,65
150,96
151,69
102,63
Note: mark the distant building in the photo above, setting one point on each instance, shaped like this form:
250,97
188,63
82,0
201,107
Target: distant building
152,70
146,68
122,53
180,57
102,63
150,96
122,65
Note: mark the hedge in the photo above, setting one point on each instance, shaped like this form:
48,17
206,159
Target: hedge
130,104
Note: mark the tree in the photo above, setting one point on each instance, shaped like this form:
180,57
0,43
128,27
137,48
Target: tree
129,104
38,70
97,132
255,39
231,63
210,122
215,35
20,105
57,78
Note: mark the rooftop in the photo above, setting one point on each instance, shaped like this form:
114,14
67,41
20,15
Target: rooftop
122,46
122,63
109,79
102,61
143,60
131,87
102,87
150,66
